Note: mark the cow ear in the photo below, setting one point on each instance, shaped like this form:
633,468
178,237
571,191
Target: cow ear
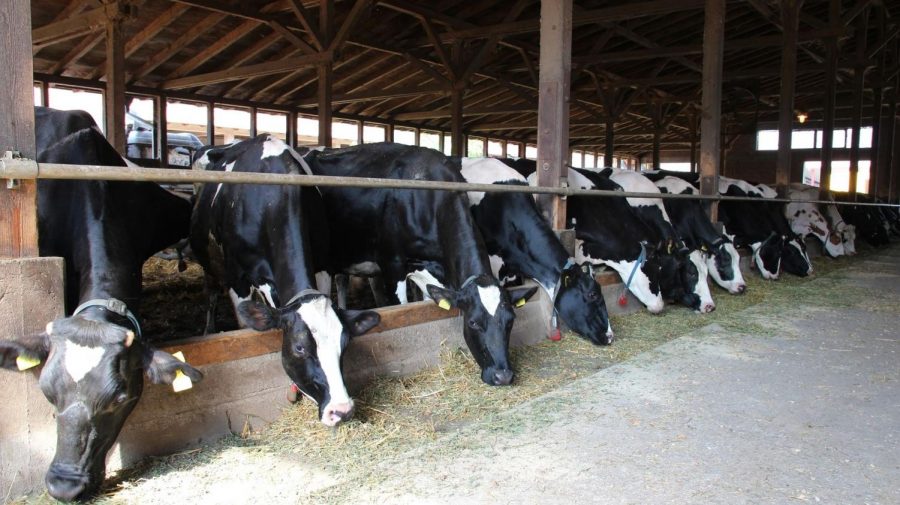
443,297
518,296
358,322
163,368
606,172
24,353
257,315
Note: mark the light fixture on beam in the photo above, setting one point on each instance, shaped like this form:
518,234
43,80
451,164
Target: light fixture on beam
801,117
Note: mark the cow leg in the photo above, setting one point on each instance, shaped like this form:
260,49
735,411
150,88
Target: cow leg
342,285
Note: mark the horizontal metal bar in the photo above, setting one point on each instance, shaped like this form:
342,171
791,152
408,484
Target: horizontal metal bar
29,169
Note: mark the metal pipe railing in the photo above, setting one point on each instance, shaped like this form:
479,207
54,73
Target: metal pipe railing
18,168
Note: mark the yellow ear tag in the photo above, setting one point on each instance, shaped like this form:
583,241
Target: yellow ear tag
520,303
182,382
24,362
444,304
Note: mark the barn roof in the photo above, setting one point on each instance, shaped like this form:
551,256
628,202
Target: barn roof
639,61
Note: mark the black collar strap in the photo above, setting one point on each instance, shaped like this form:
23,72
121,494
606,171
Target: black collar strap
303,293
113,305
716,243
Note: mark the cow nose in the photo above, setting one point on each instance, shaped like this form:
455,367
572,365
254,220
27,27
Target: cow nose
62,488
741,288
336,413
656,307
608,338
503,377
709,307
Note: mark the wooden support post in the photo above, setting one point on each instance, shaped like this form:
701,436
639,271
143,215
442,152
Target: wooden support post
859,81
711,111
874,164
210,123
887,160
360,133
326,84
162,130
790,18
18,224
894,174
45,93
456,119
292,128
831,59
609,147
115,83
253,129
553,105
694,126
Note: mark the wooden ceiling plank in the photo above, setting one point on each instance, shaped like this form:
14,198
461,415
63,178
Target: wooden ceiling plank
301,44
267,68
303,16
216,48
71,9
438,46
75,26
177,45
358,9
76,53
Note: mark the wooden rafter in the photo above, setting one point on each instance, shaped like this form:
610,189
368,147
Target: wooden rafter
216,48
177,45
267,68
69,28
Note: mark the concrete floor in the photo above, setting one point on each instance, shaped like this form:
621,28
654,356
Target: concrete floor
802,408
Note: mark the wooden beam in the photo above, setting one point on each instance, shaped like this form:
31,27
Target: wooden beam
380,94
446,113
630,10
790,20
76,26
71,9
151,29
553,105
162,130
214,49
456,134
874,152
76,53
325,87
291,37
711,111
114,96
267,68
303,16
18,206
177,45
358,9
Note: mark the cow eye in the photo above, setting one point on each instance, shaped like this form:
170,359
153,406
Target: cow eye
474,325
121,398
592,295
300,350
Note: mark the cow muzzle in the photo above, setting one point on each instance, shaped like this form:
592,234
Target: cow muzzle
66,484
497,377
336,413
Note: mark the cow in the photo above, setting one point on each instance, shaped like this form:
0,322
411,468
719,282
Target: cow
395,229
257,242
869,223
806,219
608,233
694,227
762,227
94,359
692,289
836,222
521,242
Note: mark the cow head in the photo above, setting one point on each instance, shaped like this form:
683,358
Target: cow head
848,237
767,255
488,317
834,244
92,375
579,302
794,259
314,338
723,264
695,275
681,278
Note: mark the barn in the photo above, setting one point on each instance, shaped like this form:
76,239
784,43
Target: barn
787,392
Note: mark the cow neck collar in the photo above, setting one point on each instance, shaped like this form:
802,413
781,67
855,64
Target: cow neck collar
113,305
303,293
637,264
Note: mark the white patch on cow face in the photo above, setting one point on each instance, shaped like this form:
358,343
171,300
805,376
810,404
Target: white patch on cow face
490,298
737,284
401,292
266,291
273,147
80,360
759,263
496,265
422,278
327,330
702,288
640,284
230,166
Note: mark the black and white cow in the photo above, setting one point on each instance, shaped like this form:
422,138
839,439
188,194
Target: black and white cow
397,229
806,219
870,224
521,241
836,223
256,241
694,227
693,288
94,359
762,227
608,233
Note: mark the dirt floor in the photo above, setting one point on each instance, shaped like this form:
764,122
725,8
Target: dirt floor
456,435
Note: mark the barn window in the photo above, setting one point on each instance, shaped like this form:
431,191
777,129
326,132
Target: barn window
405,135
374,133
767,140
448,144
66,98
531,151
676,166
38,97
590,161
273,123
812,171
140,129
344,133
186,124
803,139
840,176
577,160
513,149
475,147
307,131
430,139
231,123
495,148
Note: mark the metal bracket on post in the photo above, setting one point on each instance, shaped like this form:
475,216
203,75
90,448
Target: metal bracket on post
14,167
8,155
